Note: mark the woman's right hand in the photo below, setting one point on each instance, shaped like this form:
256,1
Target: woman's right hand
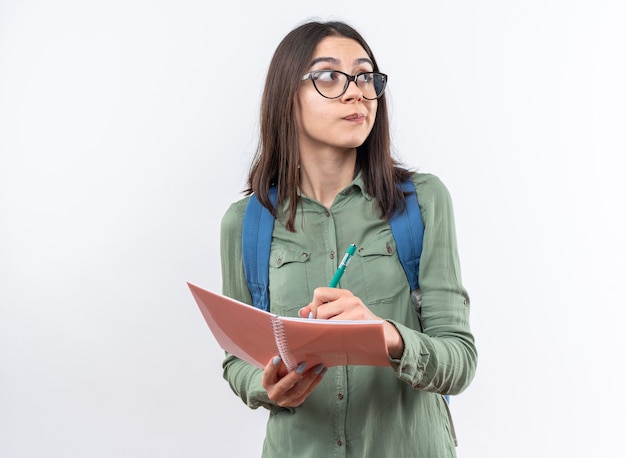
290,389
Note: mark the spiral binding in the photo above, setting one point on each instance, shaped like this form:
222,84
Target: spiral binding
281,342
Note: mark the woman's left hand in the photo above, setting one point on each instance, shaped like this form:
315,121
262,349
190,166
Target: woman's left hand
340,304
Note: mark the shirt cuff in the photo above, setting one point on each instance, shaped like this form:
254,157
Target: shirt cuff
412,365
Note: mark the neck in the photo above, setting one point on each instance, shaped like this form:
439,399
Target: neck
325,175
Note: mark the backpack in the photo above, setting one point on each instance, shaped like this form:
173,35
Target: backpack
258,224
407,228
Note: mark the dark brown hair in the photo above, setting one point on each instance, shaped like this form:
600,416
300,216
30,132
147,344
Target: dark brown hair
276,158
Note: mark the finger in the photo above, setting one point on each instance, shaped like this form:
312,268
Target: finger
306,312
305,386
282,391
286,391
324,294
279,384
270,373
325,302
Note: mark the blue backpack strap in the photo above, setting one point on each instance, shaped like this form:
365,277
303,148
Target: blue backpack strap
408,231
256,239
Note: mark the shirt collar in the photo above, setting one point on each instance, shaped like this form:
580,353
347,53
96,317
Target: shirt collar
357,185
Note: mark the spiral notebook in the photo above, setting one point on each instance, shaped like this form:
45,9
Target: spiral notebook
257,336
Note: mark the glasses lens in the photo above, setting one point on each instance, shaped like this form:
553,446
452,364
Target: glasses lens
371,84
329,83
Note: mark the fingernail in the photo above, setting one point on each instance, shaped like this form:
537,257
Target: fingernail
319,368
276,360
310,315
300,368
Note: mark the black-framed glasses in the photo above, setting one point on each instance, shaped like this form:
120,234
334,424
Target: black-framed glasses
332,84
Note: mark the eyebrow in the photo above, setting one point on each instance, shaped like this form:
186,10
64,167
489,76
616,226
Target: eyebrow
332,60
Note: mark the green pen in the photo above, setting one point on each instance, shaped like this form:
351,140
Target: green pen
342,266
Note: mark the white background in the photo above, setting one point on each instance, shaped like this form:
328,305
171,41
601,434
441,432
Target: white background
127,127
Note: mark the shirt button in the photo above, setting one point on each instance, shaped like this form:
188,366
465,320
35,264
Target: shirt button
332,255
339,442
340,396
327,213
388,249
279,261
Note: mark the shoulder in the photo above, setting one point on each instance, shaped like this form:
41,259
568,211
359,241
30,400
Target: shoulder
434,198
430,188
233,217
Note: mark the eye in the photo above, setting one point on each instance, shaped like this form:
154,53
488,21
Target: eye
366,77
326,76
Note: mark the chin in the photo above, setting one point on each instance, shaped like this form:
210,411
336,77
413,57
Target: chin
355,144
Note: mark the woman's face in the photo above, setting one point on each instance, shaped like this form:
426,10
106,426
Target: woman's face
341,123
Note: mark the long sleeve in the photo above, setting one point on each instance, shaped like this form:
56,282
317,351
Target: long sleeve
442,358
243,378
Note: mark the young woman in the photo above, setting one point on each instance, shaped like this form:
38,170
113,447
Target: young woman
325,143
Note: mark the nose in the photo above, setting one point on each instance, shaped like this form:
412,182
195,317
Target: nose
353,92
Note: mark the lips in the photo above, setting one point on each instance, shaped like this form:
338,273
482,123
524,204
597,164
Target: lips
355,117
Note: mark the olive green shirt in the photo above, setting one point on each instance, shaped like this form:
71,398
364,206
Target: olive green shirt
363,411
